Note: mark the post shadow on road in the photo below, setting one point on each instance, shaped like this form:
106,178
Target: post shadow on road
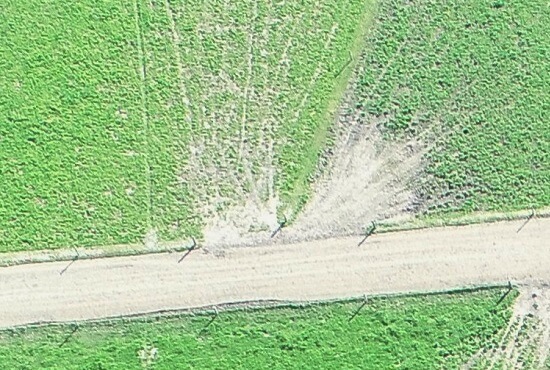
526,221
505,294
191,249
279,228
70,263
370,230
69,336
358,309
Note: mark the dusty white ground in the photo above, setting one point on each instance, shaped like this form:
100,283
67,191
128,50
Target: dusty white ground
333,268
366,178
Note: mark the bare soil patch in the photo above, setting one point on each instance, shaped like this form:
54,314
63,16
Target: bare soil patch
368,180
365,178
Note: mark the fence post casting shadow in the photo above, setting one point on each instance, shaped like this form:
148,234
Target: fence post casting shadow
189,250
70,263
526,221
358,310
69,336
369,232
212,319
281,225
505,294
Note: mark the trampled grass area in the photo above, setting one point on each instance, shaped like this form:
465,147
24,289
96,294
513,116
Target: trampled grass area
253,83
120,119
477,74
423,332
125,119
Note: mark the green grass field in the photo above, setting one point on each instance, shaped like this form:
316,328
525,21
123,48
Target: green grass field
120,119
422,332
72,164
476,73
520,348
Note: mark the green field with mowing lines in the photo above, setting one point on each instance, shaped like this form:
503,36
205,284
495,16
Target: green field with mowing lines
520,348
423,332
121,121
72,141
125,119
253,83
476,73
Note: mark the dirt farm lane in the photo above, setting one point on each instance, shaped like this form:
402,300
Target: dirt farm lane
427,259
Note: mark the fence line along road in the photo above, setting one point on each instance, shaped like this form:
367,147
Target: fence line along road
426,259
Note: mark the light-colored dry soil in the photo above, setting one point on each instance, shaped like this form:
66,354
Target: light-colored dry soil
418,260
366,178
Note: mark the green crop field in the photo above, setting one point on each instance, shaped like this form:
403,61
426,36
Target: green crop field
122,119
422,332
475,73
72,141
129,120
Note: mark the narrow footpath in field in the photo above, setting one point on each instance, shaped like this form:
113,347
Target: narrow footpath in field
428,259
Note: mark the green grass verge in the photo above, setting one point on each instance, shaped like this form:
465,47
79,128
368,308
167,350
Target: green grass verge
438,331
461,219
475,73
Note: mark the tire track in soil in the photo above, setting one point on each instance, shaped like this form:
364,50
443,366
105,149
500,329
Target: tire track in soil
150,237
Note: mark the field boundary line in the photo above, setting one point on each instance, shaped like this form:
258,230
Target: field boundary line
144,113
267,121
176,41
264,304
243,158
122,250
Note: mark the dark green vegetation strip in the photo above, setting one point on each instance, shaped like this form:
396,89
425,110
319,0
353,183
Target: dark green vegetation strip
477,72
318,78
420,332
120,118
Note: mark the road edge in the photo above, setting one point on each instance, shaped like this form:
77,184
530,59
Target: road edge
263,305
386,226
